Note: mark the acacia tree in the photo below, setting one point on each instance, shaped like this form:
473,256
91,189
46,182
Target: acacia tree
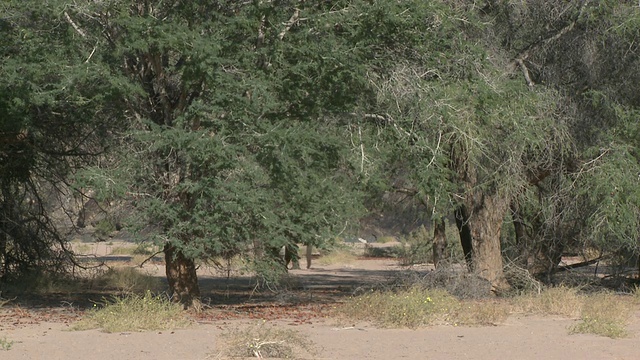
55,113
237,119
468,129
587,51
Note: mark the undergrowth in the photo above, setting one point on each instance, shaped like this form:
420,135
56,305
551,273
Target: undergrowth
601,313
127,280
416,307
134,312
604,314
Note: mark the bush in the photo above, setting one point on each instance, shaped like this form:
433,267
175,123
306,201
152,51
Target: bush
453,279
417,247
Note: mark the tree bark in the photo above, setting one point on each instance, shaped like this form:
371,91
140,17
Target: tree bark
485,225
181,275
309,255
439,241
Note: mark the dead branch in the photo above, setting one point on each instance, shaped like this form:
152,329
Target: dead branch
292,21
525,71
578,265
74,25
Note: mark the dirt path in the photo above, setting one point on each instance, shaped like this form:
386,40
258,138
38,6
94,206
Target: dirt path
519,338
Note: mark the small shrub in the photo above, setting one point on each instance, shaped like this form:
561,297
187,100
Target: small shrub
268,273
265,341
604,314
453,279
417,247
135,313
5,344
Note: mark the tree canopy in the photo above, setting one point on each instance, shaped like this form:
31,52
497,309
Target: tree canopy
242,127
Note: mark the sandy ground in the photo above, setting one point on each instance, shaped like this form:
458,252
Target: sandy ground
520,337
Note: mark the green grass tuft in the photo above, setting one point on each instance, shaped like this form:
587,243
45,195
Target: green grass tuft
5,344
135,313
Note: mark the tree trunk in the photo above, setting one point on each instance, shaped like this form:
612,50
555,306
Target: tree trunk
465,234
181,275
291,256
485,225
309,255
439,241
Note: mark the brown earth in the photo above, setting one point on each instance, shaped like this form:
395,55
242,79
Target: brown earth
43,333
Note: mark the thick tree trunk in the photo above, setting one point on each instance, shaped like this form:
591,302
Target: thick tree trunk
181,275
485,225
439,241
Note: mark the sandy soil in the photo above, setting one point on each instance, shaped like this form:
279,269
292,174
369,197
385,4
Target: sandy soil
520,337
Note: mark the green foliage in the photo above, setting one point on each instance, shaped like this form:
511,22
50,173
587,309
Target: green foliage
104,228
417,247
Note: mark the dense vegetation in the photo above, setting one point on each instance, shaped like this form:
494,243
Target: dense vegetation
237,128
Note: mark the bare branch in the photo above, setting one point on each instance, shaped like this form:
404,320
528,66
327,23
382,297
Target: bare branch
292,21
75,26
525,71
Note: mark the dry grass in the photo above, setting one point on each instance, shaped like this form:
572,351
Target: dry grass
128,280
135,313
604,314
416,307
338,256
386,239
83,249
563,301
265,341
140,249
